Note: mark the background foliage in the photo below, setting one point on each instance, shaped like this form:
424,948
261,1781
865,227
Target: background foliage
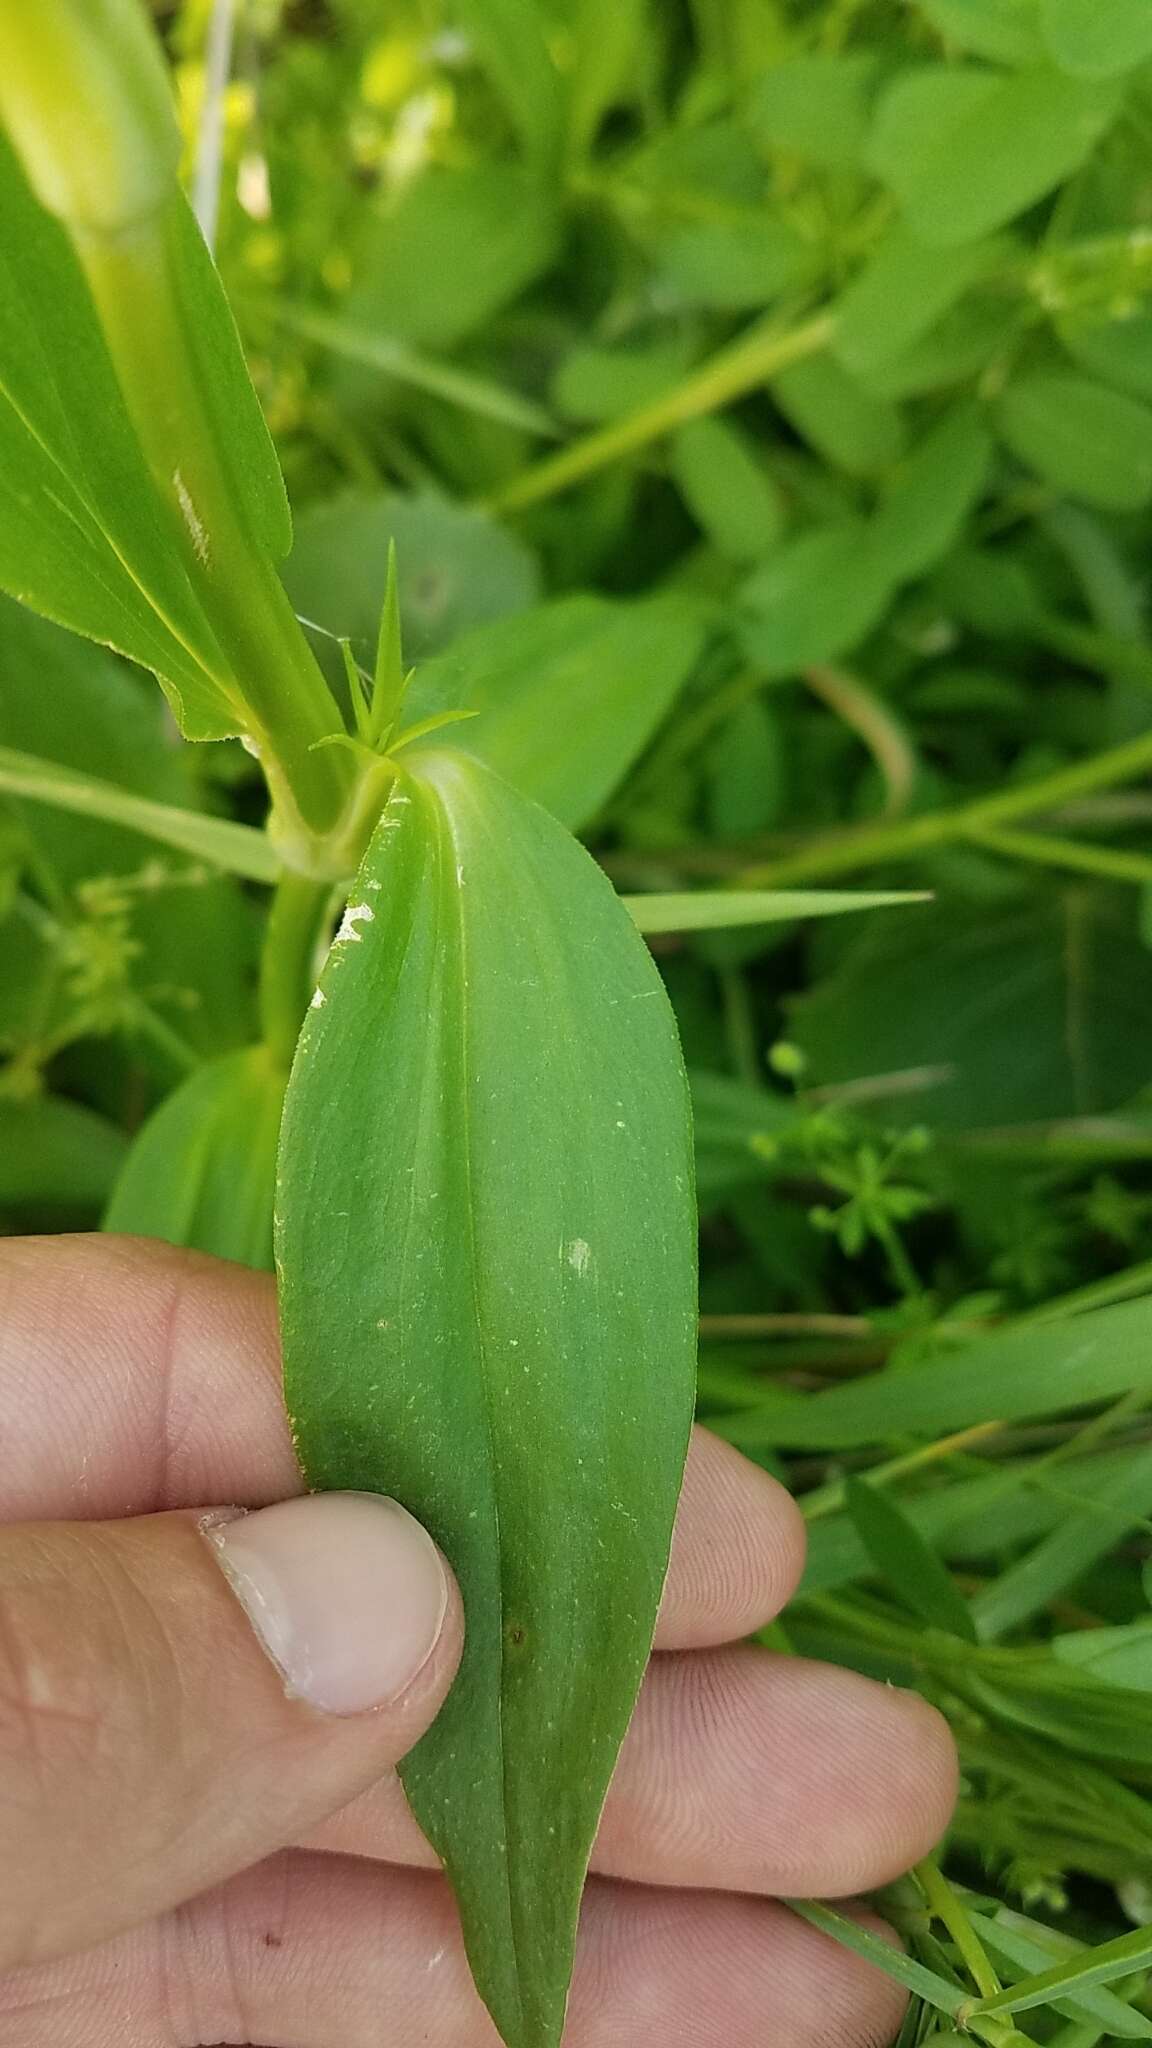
760,398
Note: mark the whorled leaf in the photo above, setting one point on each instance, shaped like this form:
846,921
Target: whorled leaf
486,1245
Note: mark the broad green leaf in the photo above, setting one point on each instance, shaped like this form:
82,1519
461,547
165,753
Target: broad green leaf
486,1247
602,674
84,535
450,248
818,106
965,150
55,1154
65,700
705,910
1082,437
924,509
1067,1365
727,488
238,849
598,383
1004,30
846,423
1095,41
201,1171
746,770
814,598
1070,964
456,567
1122,1655
903,290
1118,352
611,40
733,264
906,1561
512,40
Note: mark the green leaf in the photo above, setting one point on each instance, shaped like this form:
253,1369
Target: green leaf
965,150
921,1982
512,40
201,1172
1118,352
903,289
462,388
1004,30
846,423
1082,437
814,598
84,535
733,265
1028,1947
598,383
906,1561
924,510
727,488
818,106
451,248
1084,1536
1120,1958
1067,1365
705,910
487,1252
55,1154
611,40
1096,42
455,566
1071,964
1122,1656
609,672
237,849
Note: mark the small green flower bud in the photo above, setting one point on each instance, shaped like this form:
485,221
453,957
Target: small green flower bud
86,101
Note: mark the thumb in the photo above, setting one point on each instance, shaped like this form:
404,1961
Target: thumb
181,1695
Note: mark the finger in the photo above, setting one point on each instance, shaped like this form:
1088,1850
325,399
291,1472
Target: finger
744,1771
149,1745
311,1949
135,1378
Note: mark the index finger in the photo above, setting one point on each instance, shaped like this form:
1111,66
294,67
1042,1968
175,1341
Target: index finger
136,1378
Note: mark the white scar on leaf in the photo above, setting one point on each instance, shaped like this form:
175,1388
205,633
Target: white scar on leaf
356,913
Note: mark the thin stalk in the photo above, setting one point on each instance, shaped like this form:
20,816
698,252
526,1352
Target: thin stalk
740,367
292,941
946,1907
858,849
132,277
828,1500
1077,857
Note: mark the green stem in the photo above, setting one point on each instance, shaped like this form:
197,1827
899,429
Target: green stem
878,843
133,279
736,369
288,963
949,1910
1079,858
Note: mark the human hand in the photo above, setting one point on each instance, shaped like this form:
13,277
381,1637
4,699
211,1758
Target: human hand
193,1855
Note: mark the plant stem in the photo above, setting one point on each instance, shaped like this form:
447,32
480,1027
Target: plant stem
734,370
1078,857
949,1910
133,279
292,940
885,842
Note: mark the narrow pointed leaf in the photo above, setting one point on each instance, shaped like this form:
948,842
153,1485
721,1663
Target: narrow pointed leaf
486,1245
907,1560
706,910
1103,1965
238,849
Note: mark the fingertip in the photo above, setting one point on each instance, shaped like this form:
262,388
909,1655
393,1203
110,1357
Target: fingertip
737,1554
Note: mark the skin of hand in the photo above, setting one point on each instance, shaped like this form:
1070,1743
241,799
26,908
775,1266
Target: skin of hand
200,1708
